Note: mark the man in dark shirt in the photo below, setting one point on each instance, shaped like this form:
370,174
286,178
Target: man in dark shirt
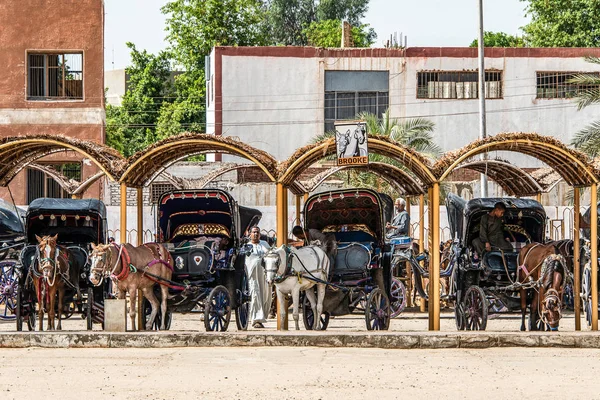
400,225
326,242
491,232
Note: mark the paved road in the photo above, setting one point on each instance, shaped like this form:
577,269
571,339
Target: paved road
298,373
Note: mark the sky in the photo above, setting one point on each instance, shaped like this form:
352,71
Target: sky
425,23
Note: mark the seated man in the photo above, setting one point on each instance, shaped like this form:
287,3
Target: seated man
400,225
491,232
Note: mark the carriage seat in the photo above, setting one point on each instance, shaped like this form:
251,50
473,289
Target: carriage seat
80,256
493,260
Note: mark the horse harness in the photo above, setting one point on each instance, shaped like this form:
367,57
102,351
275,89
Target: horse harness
289,269
58,255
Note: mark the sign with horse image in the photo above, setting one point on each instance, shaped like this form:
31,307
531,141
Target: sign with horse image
351,143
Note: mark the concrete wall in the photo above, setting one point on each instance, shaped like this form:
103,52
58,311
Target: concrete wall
46,27
273,97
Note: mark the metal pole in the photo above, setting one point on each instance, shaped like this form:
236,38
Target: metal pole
123,221
594,253
576,269
422,236
140,216
482,132
434,268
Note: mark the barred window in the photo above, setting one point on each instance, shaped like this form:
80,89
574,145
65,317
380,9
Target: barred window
157,189
457,85
347,105
556,85
55,76
40,184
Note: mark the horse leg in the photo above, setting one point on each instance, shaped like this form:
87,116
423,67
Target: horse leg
320,297
51,307
164,291
282,305
523,295
41,294
533,312
312,298
295,303
61,299
132,306
149,294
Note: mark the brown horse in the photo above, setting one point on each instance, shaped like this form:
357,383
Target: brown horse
133,268
53,270
542,269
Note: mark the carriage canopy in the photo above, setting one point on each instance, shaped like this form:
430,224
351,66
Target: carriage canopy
524,213
185,214
455,207
76,221
349,211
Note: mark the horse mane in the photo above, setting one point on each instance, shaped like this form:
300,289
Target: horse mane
557,265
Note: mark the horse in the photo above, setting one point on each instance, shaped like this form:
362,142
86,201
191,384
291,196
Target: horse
132,269
295,270
54,268
343,140
544,270
360,135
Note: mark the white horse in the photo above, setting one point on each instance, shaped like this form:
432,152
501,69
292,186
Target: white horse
293,270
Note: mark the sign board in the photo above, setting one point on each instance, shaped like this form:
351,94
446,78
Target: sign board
351,143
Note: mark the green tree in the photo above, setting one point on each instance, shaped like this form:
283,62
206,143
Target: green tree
328,33
563,23
416,133
588,139
132,126
287,21
499,39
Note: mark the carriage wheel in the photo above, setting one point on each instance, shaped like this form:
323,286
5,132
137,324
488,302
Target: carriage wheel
217,310
88,309
397,297
242,310
586,295
147,309
460,317
475,309
19,309
377,313
8,290
308,318
68,310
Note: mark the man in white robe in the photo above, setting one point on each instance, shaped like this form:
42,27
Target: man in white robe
260,292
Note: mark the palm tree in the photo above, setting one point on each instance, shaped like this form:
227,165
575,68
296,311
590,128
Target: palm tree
416,133
588,139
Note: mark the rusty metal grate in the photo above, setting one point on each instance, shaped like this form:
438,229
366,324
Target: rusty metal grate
457,85
556,85
157,189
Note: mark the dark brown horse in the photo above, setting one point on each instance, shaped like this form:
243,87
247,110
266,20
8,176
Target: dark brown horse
543,270
133,268
53,270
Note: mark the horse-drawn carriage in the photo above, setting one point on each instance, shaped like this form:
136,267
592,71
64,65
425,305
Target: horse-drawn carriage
75,224
361,271
489,285
203,230
11,243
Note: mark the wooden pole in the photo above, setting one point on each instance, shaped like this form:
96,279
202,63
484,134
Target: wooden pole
123,222
281,205
409,275
140,216
298,221
434,267
422,237
576,269
538,197
594,255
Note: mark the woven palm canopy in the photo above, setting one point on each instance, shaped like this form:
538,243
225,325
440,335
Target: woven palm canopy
146,163
304,157
400,179
512,179
573,166
18,151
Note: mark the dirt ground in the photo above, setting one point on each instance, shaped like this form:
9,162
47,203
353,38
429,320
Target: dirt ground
298,373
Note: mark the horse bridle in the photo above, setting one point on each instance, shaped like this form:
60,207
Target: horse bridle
47,263
552,294
106,259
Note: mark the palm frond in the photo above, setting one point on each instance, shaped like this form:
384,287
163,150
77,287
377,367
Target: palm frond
588,139
587,97
592,59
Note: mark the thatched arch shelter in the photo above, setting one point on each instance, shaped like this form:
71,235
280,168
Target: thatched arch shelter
144,164
304,157
512,179
18,151
573,166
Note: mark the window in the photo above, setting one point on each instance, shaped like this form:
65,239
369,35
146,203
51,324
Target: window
349,93
157,189
55,77
40,184
457,85
555,85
